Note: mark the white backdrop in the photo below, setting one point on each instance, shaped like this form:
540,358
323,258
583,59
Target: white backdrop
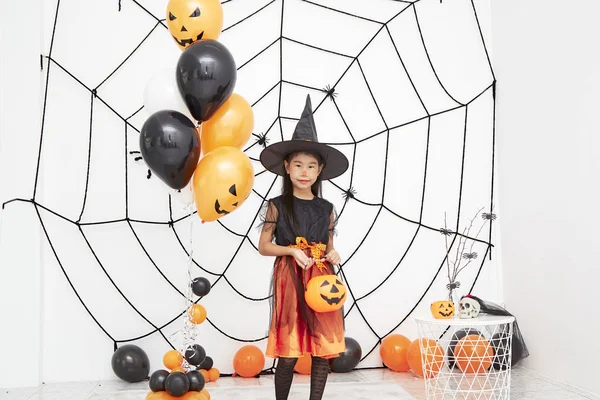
549,163
383,110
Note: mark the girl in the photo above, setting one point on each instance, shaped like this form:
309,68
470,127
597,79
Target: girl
302,224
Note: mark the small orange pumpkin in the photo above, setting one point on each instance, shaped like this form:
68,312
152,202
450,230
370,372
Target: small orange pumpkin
325,293
442,309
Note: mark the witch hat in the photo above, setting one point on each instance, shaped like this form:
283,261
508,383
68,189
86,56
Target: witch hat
305,139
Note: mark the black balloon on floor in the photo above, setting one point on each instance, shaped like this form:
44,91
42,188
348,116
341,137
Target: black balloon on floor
177,384
157,380
206,364
201,286
349,359
196,380
195,354
130,363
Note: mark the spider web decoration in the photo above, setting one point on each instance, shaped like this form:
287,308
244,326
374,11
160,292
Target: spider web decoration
405,89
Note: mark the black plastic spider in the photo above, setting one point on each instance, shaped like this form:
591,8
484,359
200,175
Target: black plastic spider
470,256
488,216
446,232
330,92
139,158
453,285
349,194
262,139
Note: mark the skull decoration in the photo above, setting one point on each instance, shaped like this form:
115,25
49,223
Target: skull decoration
469,308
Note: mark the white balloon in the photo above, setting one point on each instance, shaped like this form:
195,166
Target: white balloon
162,93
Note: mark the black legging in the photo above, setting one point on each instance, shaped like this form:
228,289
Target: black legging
284,374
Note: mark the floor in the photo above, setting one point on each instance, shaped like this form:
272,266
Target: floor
380,384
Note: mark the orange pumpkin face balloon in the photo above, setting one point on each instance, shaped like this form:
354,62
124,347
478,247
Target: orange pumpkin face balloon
193,20
231,125
222,182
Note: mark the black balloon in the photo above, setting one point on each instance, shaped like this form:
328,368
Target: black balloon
206,77
195,354
170,145
177,384
206,364
130,363
349,359
196,381
157,380
201,286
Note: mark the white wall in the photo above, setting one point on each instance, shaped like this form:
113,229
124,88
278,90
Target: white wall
65,337
21,285
548,167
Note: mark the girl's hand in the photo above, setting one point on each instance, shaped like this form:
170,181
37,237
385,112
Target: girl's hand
302,259
333,257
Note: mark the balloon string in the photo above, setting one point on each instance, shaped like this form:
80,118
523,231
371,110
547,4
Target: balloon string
189,329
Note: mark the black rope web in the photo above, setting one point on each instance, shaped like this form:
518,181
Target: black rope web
349,194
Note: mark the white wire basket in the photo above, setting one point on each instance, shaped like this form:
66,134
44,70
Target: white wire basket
466,358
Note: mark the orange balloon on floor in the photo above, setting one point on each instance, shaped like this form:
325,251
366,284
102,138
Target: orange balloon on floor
172,359
248,361
205,393
393,352
434,357
304,364
214,374
222,182
166,396
230,125
473,354
193,20
197,314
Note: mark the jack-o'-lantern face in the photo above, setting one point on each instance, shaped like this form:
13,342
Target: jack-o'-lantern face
193,20
325,293
442,309
222,182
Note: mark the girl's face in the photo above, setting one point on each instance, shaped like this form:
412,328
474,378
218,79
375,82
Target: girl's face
303,170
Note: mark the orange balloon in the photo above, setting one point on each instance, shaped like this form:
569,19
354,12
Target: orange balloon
248,361
192,20
192,396
197,314
178,369
172,359
205,393
231,125
473,354
393,352
434,357
205,374
222,182
214,374
304,364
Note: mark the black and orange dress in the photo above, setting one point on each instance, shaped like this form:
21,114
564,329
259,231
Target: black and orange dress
295,329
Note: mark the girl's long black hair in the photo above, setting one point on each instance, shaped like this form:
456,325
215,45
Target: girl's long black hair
287,191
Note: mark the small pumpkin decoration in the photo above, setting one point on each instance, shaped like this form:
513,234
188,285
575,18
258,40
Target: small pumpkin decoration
193,20
222,182
442,309
325,293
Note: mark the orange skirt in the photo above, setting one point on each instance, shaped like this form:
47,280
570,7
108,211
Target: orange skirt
295,329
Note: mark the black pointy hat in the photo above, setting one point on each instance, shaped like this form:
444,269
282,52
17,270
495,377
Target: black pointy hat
305,139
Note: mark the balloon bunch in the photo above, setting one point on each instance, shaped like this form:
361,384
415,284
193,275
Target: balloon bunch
197,127
175,382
